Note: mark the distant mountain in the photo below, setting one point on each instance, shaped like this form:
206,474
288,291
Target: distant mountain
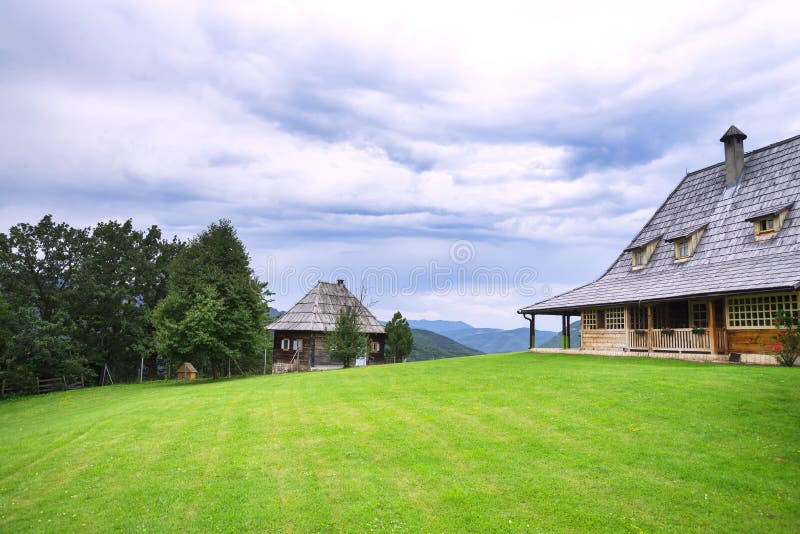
492,340
439,327
555,341
432,346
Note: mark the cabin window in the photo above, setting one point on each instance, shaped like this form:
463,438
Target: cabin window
682,249
615,318
376,347
297,344
285,343
589,319
641,255
758,311
765,226
699,314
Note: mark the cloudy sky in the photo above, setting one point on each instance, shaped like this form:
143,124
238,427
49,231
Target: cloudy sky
457,162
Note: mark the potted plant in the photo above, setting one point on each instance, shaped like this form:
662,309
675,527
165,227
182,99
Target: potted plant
640,333
699,331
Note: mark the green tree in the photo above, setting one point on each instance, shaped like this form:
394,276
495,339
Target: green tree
346,341
399,339
215,305
121,279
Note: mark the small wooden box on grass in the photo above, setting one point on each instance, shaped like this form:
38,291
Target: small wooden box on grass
187,371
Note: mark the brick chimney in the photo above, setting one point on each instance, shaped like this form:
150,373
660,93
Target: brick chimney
340,282
734,154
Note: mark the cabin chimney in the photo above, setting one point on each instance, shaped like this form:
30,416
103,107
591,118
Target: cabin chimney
734,154
340,282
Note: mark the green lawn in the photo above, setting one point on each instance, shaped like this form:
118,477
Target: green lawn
514,442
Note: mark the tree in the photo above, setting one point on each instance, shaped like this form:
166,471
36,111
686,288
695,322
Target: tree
215,305
346,341
399,339
120,280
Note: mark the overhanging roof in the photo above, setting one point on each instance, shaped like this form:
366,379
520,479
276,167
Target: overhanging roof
728,258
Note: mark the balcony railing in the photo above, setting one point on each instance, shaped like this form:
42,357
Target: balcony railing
670,339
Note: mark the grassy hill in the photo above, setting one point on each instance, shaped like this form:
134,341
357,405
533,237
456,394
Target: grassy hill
433,346
554,342
520,442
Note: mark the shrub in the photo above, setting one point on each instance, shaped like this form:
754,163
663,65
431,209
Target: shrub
787,340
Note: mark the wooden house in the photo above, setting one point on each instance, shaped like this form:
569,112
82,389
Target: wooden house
187,371
299,334
705,276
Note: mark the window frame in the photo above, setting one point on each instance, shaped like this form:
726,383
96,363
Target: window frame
681,244
375,346
589,320
757,312
287,345
615,318
702,307
297,344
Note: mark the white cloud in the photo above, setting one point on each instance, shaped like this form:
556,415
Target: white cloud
370,132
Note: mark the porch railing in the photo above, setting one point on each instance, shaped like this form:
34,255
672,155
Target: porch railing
670,339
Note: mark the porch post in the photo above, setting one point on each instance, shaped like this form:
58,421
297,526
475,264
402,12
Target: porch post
569,332
532,325
649,328
563,332
712,327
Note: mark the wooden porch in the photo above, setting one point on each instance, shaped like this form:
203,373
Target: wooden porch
678,340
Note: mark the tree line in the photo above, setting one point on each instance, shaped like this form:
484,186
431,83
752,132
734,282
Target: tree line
75,300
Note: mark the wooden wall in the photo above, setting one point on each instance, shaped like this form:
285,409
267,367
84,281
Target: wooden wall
603,339
315,340
754,341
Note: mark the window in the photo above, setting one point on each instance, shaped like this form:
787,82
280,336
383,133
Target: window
297,344
682,249
285,343
758,311
699,312
615,318
765,226
641,255
376,347
589,319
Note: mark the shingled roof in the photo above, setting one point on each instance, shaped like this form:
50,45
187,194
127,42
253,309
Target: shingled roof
728,259
317,311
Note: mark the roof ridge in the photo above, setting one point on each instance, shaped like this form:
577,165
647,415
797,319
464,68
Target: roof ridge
760,149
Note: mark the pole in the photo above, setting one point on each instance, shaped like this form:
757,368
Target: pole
141,371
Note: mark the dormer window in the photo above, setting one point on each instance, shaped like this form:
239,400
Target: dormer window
686,241
768,221
682,249
765,225
641,255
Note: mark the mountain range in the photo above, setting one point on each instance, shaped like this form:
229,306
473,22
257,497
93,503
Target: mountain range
492,340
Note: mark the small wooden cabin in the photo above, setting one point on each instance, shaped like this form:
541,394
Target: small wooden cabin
706,275
299,334
187,372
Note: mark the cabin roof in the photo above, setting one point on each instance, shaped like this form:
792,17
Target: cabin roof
317,311
186,367
728,258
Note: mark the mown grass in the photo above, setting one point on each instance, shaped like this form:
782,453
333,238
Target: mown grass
517,442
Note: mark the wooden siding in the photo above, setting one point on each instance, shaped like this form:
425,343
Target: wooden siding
603,339
313,351
756,341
